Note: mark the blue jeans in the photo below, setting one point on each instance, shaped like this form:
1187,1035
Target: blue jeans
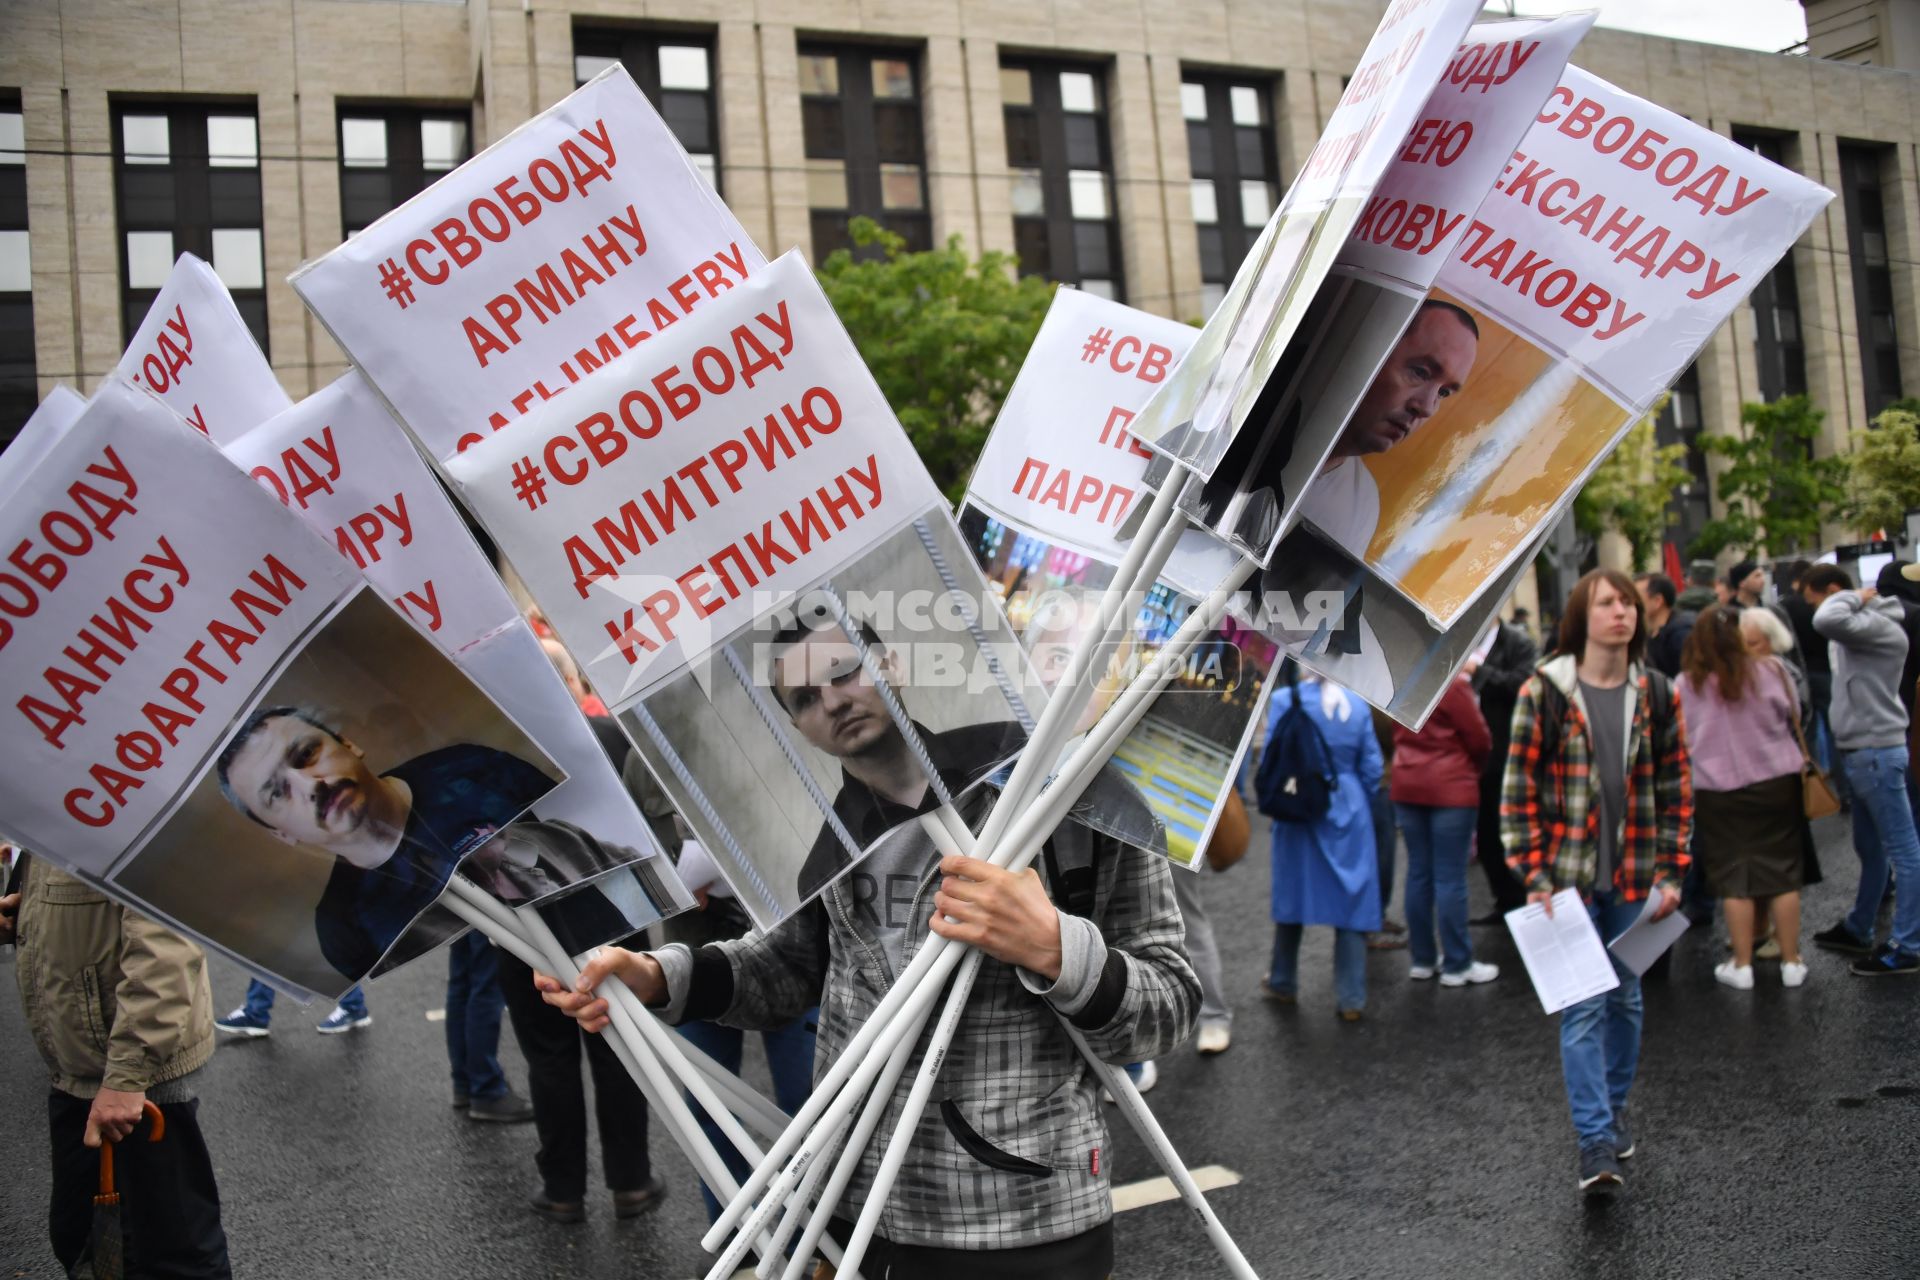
474,1006
1884,837
1385,843
260,1001
1439,843
1600,1037
789,1058
1349,964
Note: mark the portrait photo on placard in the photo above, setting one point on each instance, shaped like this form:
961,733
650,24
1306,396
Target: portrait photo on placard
854,707
1469,446
338,805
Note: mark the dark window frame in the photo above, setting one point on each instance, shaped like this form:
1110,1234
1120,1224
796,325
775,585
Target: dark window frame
19,370
204,197
860,146
638,49
1780,360
1863,195
1682,422
1223,160
1056,223
405,170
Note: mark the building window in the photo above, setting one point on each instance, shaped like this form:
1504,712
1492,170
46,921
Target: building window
1679,423
187,179
1236,172
19,390
1872,278
1780,354
674,70
866,149
389,154
1064,222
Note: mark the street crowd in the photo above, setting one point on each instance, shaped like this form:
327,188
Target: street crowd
1671,746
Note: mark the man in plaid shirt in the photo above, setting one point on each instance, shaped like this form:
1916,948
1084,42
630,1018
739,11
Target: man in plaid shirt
1598,797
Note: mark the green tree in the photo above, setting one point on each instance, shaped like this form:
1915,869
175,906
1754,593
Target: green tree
1629,492
944,335
1883,472
1775,491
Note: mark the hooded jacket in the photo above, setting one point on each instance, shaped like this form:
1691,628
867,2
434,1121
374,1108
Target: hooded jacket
1549,801
1869,653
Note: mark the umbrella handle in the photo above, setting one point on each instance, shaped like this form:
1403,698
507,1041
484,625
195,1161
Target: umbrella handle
157,1128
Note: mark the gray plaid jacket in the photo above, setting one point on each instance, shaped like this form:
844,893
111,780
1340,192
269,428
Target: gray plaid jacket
1013,1150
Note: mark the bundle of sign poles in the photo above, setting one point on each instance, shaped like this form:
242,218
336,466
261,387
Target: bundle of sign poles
792,1187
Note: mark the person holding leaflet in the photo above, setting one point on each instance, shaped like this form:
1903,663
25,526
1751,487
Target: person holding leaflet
1598,797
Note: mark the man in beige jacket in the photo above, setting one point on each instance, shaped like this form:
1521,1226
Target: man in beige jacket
120,1009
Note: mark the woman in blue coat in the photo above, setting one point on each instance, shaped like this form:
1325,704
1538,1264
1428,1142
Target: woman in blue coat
1327,872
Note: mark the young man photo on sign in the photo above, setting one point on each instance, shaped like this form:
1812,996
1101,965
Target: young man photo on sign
1598,797
1010,1178
395,836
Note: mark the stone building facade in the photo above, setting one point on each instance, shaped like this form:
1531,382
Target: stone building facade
1125,148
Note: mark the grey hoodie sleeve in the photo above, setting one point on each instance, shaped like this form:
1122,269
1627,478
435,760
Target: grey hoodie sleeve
1846,619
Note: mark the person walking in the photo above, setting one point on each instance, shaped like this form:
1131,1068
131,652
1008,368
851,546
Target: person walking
1744,741
1436,798
254,1018
1326,869
1599,798
1867,650
120,1010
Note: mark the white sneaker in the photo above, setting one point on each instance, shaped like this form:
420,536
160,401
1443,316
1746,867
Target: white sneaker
1793,974
1740,976
1214,1037
1473,975
1420,972
1149,1076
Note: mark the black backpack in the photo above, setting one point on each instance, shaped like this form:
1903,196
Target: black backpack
1296,779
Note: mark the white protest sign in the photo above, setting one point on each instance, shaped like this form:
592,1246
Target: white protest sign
1195,415
576,237
133,627
341,461
1622,235
195,352
1619,238
43,428
1060,458
674,496
1420,208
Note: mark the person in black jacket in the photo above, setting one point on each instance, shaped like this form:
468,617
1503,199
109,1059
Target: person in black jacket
1668,626
1497,681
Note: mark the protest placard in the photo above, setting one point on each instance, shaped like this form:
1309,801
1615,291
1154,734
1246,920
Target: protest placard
1331,614
42,429
1056,479
217,723
573,239
195,352
1197,412
735,539
1617,240
341,462
1336,389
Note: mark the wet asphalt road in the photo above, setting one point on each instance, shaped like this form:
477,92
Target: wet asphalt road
1778,1134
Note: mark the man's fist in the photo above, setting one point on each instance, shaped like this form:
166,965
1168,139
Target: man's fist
640,971
1007,916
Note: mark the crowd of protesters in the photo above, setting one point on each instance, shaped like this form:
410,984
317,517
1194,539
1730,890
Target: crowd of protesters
1669,749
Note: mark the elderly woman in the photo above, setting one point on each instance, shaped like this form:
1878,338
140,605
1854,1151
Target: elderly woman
1743,714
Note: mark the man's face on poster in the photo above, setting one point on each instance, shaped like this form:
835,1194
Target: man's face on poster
828,694
1430,363
306,785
